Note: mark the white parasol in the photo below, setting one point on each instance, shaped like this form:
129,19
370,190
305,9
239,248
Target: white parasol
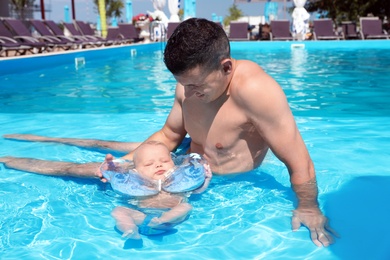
159,4
158,13
173,6
300,19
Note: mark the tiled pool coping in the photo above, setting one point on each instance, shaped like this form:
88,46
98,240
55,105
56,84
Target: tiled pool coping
32,62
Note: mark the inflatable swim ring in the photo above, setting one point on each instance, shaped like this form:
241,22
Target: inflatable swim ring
188,175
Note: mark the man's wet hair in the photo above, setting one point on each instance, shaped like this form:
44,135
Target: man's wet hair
196,42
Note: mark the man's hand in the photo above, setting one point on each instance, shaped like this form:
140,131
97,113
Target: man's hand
309,214
320,231
108,161
208,172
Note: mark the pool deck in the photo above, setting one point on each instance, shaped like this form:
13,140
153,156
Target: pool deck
11,65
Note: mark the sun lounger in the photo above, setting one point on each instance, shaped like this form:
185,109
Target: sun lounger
171,28
238,31
88,32
372,28
9,44
129,32
324,30
280,30
349,30
71,30
60,33
23,34
61,42
114,35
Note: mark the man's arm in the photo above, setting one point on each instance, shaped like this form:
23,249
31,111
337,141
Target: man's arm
273,119
308,214
173,132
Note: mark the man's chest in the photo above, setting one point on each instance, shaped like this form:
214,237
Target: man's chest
226,122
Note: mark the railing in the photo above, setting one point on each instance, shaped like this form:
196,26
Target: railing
157,31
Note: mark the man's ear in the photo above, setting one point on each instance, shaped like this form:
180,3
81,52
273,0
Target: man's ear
227,65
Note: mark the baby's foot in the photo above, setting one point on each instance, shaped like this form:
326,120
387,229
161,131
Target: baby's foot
131,234
154,222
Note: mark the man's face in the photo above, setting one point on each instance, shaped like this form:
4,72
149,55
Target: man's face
153,161
204,85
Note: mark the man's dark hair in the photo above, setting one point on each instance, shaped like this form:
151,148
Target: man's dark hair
196,42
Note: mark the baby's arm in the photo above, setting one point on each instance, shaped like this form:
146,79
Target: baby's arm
175,215
207,180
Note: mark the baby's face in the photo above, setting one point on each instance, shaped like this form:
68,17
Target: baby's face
153,161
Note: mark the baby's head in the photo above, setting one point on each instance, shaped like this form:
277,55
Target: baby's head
152,159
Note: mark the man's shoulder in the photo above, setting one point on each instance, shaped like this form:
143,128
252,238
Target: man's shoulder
246,70
247,75
251,82
247,63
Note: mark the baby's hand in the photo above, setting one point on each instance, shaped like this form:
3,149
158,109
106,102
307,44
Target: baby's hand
107,165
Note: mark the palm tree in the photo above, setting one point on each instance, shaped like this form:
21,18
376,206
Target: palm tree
340,10
113,7
21,7
234,14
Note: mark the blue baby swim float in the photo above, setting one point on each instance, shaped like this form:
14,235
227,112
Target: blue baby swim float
187,175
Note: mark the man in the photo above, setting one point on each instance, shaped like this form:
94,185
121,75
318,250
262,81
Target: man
232,110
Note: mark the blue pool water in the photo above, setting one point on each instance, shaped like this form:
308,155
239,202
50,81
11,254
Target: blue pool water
339,95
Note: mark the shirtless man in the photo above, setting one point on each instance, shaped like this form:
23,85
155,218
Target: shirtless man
234,112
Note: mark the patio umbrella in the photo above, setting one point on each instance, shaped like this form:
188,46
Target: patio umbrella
66,14
129,11
257,1
173,6
189,9
159,4
270,8
271,11
300,19
158,13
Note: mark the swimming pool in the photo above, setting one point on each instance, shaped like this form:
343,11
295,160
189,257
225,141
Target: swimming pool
339,94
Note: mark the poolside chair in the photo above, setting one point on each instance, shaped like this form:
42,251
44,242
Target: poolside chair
349,30
9,44
280,30
71,30
58,32
371,28
114,35
61,42
23,34
171,28
239,31
129,32
324,30
88,32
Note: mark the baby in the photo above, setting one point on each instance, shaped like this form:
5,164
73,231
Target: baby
158,213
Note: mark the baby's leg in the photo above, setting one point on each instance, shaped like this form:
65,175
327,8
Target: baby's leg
127,220
125,147
176,215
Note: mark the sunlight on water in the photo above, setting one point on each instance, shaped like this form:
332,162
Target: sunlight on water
339,98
